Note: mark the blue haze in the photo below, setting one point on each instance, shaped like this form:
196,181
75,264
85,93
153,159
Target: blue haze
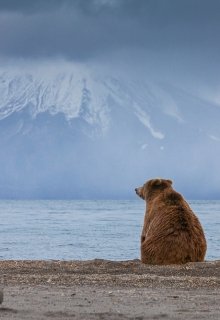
86,229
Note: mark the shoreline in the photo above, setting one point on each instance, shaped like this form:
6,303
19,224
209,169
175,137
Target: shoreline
103,289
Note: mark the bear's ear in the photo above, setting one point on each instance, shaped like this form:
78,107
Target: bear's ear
157,181
170,181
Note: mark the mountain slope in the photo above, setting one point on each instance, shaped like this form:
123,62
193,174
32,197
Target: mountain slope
73,133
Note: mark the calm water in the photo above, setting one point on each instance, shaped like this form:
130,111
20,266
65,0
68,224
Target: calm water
86,229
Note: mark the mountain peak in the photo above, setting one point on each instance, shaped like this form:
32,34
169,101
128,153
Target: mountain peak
74,90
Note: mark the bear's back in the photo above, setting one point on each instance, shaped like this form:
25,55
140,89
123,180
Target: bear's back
170,211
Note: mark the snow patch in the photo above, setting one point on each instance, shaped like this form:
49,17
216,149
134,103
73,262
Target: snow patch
145,120
144,146
169,106
215,138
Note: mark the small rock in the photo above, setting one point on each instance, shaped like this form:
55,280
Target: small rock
1,296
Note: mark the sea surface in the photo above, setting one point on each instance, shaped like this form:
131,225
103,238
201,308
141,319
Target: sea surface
83,230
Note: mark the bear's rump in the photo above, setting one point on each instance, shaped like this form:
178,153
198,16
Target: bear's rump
175,247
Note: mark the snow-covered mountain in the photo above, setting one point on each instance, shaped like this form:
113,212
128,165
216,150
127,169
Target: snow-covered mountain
73,132
76,92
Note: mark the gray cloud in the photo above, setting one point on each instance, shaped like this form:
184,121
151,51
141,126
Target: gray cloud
87,29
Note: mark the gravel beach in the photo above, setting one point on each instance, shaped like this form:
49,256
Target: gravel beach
102,289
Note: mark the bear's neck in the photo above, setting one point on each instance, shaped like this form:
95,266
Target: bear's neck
151,197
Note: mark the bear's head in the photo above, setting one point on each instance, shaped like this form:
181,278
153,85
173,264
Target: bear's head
152,187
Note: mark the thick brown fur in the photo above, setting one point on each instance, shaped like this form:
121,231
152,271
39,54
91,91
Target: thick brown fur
172,234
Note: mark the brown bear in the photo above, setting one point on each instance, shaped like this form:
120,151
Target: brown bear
172,234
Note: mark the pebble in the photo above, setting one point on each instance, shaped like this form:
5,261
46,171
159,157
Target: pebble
1,296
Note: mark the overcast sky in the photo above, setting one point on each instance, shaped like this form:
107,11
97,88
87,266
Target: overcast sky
166,36
83,29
